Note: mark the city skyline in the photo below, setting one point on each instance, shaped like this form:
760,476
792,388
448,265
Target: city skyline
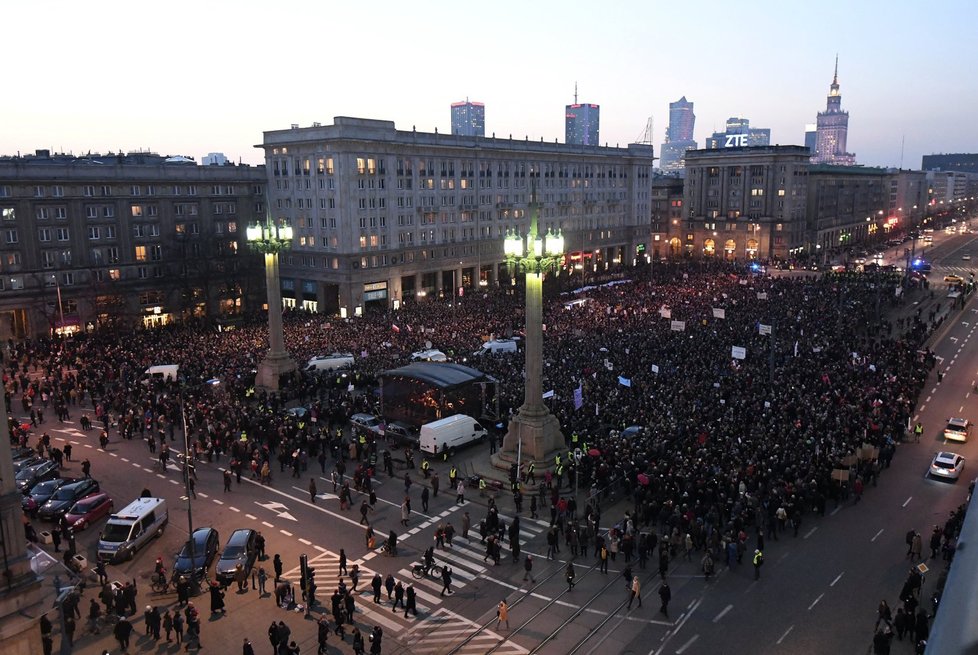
206,80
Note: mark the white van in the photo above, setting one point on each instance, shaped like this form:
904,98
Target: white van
494,346
131,528
323,363
166,372
450,433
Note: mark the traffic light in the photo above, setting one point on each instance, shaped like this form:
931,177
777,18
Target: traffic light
303,572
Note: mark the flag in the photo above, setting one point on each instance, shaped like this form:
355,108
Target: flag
548,394
625,382
396,329
579,397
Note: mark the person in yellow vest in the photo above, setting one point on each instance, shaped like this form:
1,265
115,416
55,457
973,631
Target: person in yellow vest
482,487
453,476
529,473
425,468
557,459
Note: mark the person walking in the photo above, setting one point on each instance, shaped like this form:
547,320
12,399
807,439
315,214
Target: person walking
446,578
636,592
665,595
312,490
122,632
502,614
277,566
168,625
262,579
411,601
377,584
528,569
405,511
247,648
227,483
460,493
322,634
364,509
916,546
758,562
425,494
569,574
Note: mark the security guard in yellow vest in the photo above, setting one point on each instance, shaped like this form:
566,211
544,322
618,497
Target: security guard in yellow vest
574,440
453,477
529,472
482,486
425,468
557,459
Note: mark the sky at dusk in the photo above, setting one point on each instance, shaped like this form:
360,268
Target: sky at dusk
210,76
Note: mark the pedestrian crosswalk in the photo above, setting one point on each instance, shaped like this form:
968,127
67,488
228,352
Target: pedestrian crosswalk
444,630
435,625
957,270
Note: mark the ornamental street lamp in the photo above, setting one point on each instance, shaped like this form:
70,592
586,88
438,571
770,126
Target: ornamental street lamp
269,239
534,430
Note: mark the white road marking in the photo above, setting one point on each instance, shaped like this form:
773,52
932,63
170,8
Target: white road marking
692,640
810,533
250,517
286,533
305,541
961,409
722,613
785,635
217,501
837,578
907,501
815,602
233,509
124,459
267,524
876,536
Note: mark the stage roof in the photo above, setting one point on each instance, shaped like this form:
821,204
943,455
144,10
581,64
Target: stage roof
439,374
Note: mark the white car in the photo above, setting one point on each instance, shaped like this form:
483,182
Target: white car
430,355
957,429
947,466
966,258
367,422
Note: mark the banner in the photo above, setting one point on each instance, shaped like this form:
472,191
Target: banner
623,381
548,394
579,397
719,312
738,352
678,326
764,329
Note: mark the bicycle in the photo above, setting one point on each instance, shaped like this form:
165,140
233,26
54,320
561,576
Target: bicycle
420,571
159,583
97,625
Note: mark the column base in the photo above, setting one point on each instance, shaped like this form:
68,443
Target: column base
271,369
541,441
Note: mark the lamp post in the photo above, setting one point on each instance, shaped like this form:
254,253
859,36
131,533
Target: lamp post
534,430
269,239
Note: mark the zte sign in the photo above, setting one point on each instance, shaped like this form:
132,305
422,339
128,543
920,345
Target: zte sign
736,141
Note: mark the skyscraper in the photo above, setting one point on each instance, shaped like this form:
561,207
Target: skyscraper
832,128
468,118
739,134
581,123
679,136
811,137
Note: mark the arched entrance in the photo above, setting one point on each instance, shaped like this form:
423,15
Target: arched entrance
752,249
729,250
675,247
709,247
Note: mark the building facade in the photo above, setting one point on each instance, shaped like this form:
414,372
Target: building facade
739,134
743,203
137,238
952,163
468,118
847,205
581,123
811,137
679,136
383,216
832,129
667,216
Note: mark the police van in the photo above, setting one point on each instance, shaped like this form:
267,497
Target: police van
131,528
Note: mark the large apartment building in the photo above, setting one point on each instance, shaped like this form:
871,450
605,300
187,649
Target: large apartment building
137,238
383,216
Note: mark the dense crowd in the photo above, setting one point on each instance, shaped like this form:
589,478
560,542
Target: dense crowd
724,442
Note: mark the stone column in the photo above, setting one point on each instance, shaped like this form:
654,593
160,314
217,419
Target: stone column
277,362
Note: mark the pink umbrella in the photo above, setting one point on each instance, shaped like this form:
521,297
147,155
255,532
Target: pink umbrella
593,452
643,479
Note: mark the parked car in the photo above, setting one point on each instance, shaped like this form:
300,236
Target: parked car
947,466
205,541
24,462
88,510
966,258
430,355
367,422
65,497
240,549
41,493
29,476
399,433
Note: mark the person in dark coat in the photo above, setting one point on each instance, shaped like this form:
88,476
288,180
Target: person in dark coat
217,599
411,603
247,648
122,632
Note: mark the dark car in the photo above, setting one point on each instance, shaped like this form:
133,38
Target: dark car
88,510
399,433
41,493
29,476
240,549
206,541
21,453
25,462
65,497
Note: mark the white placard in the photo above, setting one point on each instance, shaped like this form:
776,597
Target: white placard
738,352
678,326
719,312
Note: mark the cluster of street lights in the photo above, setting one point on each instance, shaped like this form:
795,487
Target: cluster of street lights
270,239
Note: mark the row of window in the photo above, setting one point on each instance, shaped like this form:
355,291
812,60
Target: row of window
106,190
